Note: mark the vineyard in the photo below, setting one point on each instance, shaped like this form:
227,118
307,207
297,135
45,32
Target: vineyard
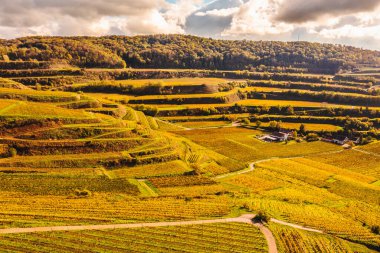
104,146
231,237
293,240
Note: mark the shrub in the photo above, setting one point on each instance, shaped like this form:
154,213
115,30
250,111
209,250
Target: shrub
312,137
12,152
258,123
261,217
83,193
375,229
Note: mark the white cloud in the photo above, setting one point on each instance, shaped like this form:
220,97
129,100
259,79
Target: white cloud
255,18
177,13
218,12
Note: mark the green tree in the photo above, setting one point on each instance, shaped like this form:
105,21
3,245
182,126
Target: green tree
12,152
302,129
258,123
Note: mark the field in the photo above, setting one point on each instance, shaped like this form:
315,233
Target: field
352,160
204,124
104,146
309,127
241,144
196,238
153,170
33,109
174,81
293,240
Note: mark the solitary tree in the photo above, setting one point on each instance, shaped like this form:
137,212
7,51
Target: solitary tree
302,129
258,123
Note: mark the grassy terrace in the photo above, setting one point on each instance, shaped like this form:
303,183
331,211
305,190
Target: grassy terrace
167,82
309,126
254,102
47,96
11,108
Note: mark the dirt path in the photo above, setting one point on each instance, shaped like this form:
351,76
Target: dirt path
366,152
272,246
250,168
296,226
252,165
172,124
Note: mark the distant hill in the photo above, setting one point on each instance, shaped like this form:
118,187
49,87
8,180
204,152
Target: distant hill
182,51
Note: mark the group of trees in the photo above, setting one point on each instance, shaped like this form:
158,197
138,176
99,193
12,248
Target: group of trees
314,87
328,97
180,51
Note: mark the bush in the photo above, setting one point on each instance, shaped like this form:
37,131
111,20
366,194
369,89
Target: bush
375,229
83,193
246,121
12,152
312,137
261,217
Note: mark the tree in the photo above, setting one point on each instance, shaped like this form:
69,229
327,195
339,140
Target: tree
312,137
12,152
246,121
302,129
261,217
258,123
272,125
278,126
289,110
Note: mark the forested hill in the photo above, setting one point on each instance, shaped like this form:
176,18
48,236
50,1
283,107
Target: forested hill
180,51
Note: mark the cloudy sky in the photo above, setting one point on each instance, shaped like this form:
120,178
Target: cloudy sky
353,22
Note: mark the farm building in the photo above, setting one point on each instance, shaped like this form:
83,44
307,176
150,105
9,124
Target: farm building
341,140
277,136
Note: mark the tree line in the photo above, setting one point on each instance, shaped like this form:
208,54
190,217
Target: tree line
183,51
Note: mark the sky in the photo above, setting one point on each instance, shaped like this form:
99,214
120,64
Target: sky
351,22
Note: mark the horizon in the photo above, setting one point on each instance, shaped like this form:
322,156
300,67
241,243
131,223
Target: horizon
342,22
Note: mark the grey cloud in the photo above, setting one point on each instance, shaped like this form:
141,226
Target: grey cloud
211,25
22,13
299,11
96,8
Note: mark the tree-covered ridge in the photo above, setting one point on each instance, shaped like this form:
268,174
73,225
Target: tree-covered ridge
180,51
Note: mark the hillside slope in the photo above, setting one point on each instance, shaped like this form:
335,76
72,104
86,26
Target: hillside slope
180,51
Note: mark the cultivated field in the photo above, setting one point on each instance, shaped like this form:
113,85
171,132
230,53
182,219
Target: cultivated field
104,146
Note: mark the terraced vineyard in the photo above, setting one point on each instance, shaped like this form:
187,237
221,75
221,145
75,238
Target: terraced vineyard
103,146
